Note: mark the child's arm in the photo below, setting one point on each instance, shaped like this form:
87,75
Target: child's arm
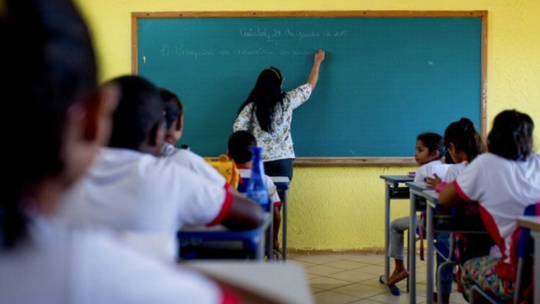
244,213
314,75
449,196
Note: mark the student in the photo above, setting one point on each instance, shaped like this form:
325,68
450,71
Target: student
240,145
174,118
127,188
429,151
267,114
51,78
463,144
503,182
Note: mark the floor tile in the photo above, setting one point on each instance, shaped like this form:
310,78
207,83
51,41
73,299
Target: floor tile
329,297
353,276
325,283
347,265
322,270
361,291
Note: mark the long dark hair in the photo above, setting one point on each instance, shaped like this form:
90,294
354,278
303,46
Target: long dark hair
49,66
265,96
433,142
511,136
464,136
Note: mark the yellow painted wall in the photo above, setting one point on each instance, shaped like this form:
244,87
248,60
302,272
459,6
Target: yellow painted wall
342,208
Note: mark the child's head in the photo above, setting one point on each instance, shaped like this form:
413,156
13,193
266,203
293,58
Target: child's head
138,122
174,116
462,136
429,147
265,96
511,136
240,145
49,67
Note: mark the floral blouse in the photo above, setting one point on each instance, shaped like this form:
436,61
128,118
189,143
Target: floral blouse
278,144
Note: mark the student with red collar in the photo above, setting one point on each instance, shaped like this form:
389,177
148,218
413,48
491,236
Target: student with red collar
504,182
128,188
41,259
240,145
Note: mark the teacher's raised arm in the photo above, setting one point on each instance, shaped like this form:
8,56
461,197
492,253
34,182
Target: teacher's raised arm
267,114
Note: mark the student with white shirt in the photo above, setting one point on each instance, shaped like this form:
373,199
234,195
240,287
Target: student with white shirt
429,151
240,145
42,260
503,181
464,144
129,188
174,118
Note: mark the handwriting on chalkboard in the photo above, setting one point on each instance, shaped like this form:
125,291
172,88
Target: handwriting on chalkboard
179,50
274,34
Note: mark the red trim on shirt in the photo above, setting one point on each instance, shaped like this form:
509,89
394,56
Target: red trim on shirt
460,192
225,209
278,204
242,167
228,297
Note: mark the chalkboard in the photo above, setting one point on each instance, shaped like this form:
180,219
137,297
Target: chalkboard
387,77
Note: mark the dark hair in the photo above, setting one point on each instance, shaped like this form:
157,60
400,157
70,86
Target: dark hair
49,65
240,145
173,106
433,142
139,111
511,136
265,96
465,138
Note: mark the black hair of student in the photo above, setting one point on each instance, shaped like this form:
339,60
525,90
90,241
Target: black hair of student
265,96
240,145
511,136
139,112
48,66
464,136
174,108
434,142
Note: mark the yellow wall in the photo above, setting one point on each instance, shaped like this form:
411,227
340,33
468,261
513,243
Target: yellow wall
342,208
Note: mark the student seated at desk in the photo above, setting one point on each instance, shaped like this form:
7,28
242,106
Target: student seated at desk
503,181
240,145
463,144
128,188
51,77
429,151
174,118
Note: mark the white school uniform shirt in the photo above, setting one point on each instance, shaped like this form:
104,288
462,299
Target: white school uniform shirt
55,265
270,186
428,169
193,162
503,188
128,190
454,171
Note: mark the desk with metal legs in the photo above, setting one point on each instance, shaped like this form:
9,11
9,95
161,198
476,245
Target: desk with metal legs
282,183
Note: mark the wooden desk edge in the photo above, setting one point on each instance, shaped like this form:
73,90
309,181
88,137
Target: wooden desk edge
531,222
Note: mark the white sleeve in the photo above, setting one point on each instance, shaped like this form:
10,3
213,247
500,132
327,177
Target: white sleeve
472,183
106,272
420,175
198,201
299,95
451,174
272,190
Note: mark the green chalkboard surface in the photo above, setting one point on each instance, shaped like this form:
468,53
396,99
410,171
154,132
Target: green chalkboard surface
386,78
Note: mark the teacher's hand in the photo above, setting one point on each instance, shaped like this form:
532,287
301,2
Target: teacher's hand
319,56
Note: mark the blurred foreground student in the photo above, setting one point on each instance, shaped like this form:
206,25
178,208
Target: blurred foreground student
429,151
128,188
504,182
52,71
240,145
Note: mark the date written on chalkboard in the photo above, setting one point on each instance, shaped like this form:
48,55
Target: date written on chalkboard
271,34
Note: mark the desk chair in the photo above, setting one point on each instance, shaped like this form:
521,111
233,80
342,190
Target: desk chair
523,268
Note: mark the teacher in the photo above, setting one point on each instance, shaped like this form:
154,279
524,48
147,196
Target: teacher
267,114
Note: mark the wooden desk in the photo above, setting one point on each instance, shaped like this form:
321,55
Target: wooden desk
282,183
415,191
274,283
258,236
533,223
394,189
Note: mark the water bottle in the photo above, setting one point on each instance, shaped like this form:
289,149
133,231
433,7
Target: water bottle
256,187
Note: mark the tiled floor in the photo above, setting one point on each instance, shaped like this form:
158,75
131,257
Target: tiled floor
354,279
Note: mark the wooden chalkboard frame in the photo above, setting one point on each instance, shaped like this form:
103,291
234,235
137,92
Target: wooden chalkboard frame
333,161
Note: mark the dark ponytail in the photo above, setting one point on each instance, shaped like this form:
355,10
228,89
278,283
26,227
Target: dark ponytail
49,65
464,136
265,96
